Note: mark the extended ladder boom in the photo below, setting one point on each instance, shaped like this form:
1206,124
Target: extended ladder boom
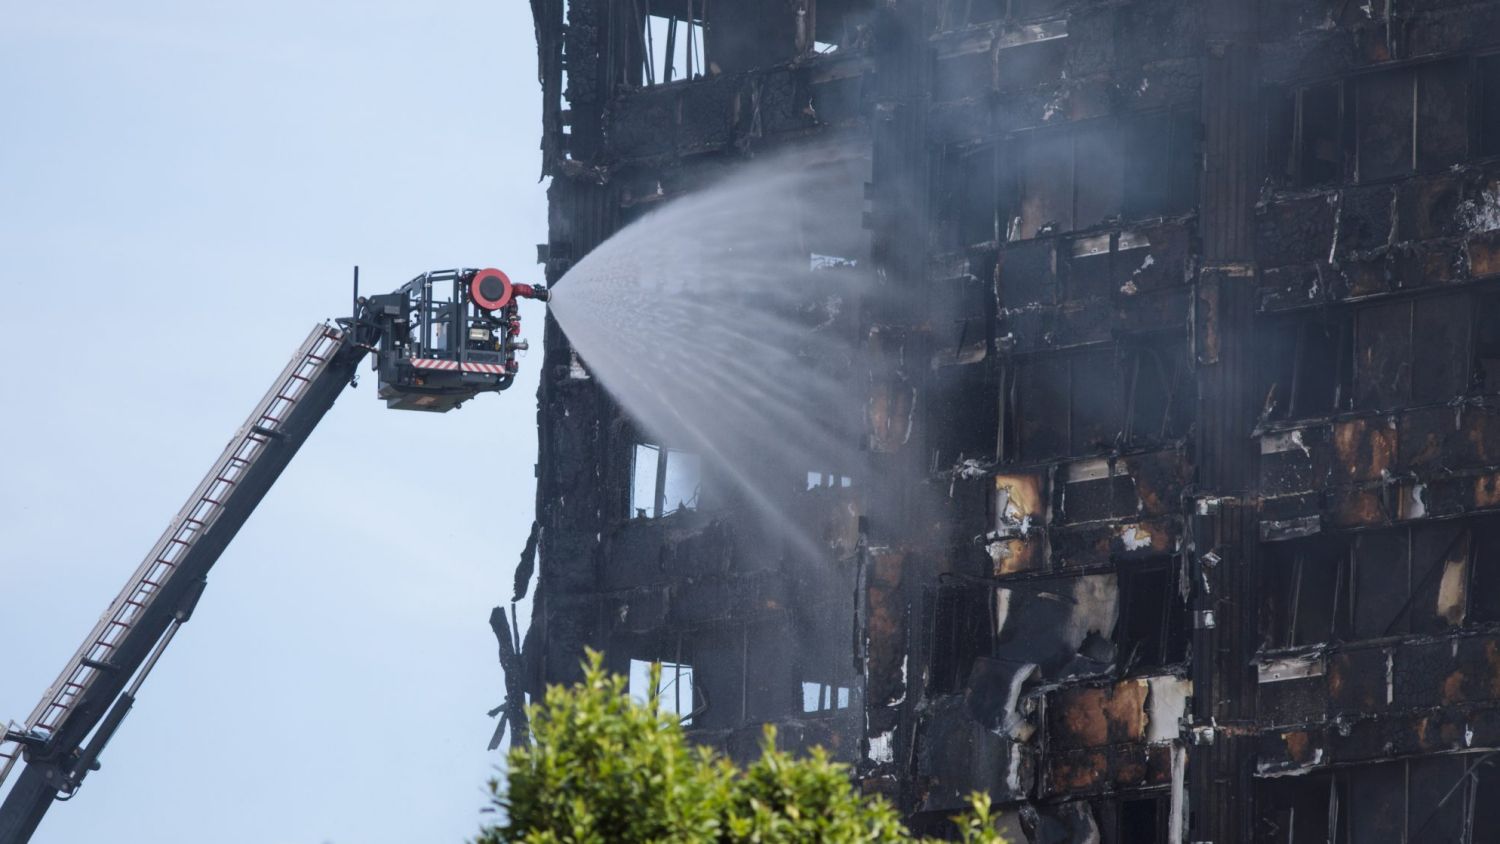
439,340
91,692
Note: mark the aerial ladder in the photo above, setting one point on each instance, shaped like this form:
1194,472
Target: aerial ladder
437,341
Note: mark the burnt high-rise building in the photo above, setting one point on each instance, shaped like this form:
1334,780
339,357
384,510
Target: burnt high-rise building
1181,519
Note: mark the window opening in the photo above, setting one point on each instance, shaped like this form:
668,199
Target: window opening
1153,624
675,693
825,480
822,697
664,481
1142,821
647,463
1410,119
1087,175
963,629
1413,352
1297,380
966,196
1306,594
674,44
1424,579
1488,85
1386,124
1485,377
1303,810
1306,135
1484,586
1155,399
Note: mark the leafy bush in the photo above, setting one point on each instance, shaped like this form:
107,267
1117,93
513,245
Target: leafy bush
603,768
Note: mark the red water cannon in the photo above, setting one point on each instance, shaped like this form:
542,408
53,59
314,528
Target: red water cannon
492,290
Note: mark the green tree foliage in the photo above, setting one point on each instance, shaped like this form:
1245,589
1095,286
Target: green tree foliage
603,768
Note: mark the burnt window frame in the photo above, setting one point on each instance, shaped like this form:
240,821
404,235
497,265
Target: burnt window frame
1282,798
1285,585
1292,356
1484,338
962,629
1404,594
1118,821
697,703
1468,300
1340,818
1149,352
956,14
661,476
1164,356
1288,110
1134,135
1173,620
642,68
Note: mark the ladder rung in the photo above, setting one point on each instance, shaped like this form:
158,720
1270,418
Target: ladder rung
225,480
118,623
301,377
180,541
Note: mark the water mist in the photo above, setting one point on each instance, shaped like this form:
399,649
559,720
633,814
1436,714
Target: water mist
724,325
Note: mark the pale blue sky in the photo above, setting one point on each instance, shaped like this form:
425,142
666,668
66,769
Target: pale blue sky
183,188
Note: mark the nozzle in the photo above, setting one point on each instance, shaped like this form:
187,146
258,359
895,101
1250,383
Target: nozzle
534,291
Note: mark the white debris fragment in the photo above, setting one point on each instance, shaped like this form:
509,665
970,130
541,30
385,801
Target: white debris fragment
971,469
1167,704
1135,538
1483,214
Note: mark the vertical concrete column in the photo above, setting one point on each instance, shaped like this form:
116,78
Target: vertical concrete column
898,219
1224,543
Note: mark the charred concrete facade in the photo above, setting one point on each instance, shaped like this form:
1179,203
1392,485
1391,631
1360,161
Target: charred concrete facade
1182,514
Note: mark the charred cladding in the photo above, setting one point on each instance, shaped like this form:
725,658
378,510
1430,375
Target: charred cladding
1181,518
